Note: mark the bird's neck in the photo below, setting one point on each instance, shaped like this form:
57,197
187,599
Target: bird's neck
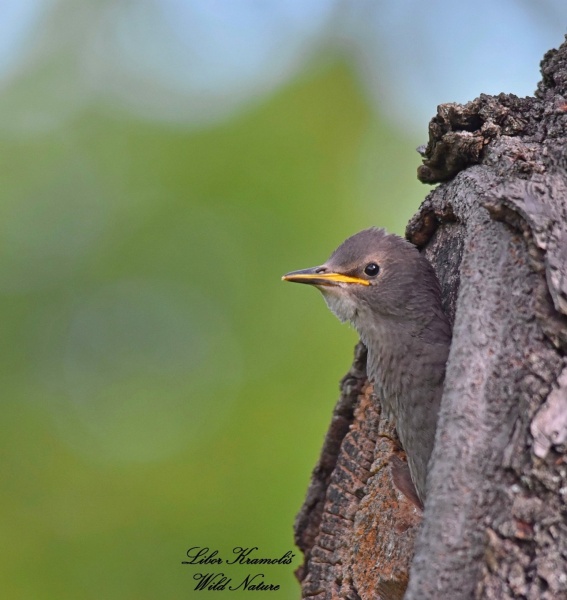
389,357
404,359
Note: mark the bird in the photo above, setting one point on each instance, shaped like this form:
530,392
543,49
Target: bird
389,292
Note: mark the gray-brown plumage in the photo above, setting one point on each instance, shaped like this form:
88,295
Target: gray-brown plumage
390,293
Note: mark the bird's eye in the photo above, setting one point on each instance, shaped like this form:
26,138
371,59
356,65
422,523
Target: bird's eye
372,269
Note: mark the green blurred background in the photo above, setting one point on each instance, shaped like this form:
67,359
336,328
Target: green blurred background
163,389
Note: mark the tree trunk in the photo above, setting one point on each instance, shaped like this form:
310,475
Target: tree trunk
495,520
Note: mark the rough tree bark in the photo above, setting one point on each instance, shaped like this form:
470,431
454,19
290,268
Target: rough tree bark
495,520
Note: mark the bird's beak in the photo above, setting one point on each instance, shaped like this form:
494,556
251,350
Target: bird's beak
318,276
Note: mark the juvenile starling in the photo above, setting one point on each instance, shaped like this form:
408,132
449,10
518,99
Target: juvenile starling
390,293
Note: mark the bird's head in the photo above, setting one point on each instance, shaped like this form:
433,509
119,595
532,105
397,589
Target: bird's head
374,276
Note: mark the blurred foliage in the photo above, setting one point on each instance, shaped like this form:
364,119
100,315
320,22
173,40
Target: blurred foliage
162,387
